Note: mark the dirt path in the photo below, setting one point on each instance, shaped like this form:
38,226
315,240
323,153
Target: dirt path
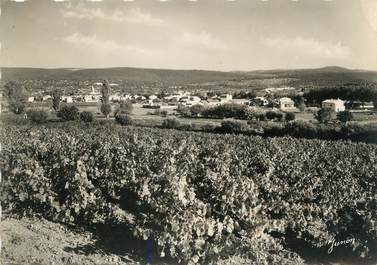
28,241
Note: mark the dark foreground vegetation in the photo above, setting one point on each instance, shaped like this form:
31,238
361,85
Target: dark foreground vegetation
220,199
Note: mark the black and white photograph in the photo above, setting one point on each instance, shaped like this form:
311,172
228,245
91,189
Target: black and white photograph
184,132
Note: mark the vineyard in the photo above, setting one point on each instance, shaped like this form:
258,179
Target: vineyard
205,198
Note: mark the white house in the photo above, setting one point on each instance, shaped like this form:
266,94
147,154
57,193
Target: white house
125,97
190,100
45,98
213,101
67,99
30,99
262,101
225,97
152,97
334,104
114,98
286,104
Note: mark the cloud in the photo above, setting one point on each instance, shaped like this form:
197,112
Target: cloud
99,44
203,39
133,15
370,12
308,46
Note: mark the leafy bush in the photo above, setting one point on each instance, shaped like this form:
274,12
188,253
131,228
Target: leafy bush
274,115
232,126
208,127
197,110
228,110
124,108
68,113
124,119
290,116
208,199
37,116
106,109
325,115
170,123
261,116
185,127
184,111
345,116
15,94
17,107
86,116
301,129
164,113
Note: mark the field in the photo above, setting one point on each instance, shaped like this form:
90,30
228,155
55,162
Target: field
207,199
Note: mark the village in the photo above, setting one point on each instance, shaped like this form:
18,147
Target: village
269,98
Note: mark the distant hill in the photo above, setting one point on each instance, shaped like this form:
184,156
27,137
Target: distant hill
324,73
139,75
120,73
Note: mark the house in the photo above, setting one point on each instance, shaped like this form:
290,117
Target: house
241,101
359,105
67,99
152,97
189,100
114,98
45,98
286,104
225,98
93,96
334,104
30,99
213,101
260,101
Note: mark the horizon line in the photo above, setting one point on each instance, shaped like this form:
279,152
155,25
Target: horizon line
193,69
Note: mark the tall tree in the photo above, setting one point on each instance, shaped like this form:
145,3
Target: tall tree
105,100
15,94
56,98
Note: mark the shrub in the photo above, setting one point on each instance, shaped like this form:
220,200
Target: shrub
68,113
262,116
270,115
184,111
197,110
37,116
170,123
274,115
302,129
232,126
325,115
208,127
124,119
345,116
86,116
185,127
164,113
17,107
106,109
124,108
229,110
279,116
290,116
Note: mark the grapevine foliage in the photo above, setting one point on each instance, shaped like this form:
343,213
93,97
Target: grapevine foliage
206,198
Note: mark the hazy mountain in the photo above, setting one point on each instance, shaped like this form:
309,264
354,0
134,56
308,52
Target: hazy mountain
183,76
120,73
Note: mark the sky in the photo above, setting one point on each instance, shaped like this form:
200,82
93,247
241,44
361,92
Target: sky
182,34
